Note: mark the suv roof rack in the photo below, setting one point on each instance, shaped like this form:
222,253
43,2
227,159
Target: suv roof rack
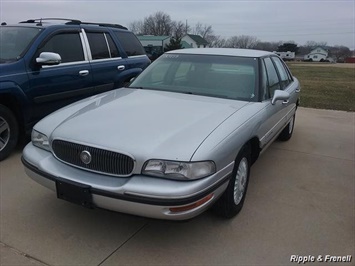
105,25
73,22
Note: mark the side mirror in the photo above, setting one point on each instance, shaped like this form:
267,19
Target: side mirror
48,58
280,95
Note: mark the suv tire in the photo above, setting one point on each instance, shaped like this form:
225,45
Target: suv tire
9,132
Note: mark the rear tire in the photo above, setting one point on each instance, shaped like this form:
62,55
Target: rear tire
232,200
286,133
9,132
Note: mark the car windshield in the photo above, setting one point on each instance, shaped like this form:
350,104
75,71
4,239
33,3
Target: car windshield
209,75
14,41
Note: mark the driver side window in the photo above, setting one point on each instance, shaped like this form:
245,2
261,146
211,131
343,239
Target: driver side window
67,45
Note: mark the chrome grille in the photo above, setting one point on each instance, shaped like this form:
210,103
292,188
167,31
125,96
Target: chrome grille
102,161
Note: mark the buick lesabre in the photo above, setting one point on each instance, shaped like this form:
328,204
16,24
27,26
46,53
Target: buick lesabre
180,139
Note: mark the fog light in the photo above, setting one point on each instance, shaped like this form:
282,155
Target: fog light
192,206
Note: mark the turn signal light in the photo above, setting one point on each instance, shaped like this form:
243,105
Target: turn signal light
193,205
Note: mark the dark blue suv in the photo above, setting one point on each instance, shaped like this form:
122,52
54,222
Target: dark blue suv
46,64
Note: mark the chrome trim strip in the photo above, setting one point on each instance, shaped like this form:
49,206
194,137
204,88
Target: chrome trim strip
134,56
83,44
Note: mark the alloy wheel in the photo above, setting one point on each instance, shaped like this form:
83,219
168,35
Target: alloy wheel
240,180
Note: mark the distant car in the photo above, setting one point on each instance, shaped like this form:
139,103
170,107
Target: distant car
179,139
46,64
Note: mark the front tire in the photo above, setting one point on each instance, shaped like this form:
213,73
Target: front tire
286,133
232,200
9,132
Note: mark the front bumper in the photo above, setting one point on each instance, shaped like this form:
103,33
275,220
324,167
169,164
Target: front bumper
138,194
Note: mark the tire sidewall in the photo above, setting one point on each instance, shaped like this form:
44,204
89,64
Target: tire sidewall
286,134
225,206
244,153
10,119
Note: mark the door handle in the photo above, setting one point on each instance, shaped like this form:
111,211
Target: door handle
121,67
84,73
285,102
297,90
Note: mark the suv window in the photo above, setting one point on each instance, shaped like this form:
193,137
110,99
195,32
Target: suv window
273,79
14,41
130,43
282,71
67,45
101,45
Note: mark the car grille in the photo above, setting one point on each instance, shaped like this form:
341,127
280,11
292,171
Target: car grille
103,161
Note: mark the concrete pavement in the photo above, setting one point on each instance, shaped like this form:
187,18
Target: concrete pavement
300,202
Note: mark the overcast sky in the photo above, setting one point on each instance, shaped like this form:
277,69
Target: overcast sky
300,21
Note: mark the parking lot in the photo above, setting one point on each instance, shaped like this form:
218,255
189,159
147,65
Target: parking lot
300,202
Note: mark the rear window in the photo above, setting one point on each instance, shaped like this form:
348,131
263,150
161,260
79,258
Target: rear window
101,45
130,44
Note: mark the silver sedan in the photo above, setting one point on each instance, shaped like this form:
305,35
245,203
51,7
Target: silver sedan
180,139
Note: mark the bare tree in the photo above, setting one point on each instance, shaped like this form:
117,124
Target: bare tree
310,45
179,29
268,46
216,41
242,41
314,44
203,30
136,27
340,52
159,23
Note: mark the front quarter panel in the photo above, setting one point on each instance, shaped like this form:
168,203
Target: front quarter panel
224,143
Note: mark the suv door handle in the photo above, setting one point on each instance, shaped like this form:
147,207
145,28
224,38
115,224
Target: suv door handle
285,102
297,90
121,67
84,73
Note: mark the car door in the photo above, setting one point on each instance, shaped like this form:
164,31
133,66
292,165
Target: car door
135,55
52,87
287,84
108,67
274,115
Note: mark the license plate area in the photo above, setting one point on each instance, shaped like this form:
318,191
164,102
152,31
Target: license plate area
74,192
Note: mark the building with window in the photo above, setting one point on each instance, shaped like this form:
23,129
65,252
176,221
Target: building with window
154,45
318,54
195,41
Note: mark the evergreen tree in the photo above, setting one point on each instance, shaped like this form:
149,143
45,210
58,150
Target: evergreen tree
175,44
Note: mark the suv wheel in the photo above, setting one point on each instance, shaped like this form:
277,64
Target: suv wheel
9,132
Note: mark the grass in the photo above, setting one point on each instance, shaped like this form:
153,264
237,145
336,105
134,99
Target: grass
326,87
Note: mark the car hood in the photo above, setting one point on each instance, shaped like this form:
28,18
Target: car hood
145,124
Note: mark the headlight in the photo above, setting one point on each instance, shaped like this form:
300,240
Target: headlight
179,170
40,140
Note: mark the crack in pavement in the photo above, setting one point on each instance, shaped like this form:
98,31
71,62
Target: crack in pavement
120,246
19,252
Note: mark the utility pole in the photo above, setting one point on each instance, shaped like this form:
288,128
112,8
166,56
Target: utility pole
186,28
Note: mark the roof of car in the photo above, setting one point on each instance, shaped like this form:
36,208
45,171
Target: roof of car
223,51
47,22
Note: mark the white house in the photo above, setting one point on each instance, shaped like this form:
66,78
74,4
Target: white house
318,54
195,41
286,55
